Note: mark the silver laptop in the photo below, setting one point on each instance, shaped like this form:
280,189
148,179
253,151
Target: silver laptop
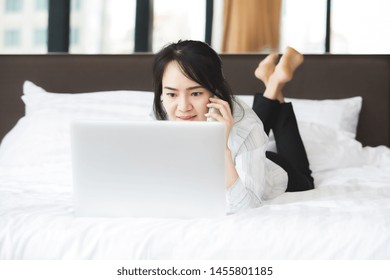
148,169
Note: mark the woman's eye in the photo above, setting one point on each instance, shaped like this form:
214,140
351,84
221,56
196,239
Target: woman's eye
170,94
196,93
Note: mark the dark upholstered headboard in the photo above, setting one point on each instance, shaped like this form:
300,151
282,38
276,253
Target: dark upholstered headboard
320,77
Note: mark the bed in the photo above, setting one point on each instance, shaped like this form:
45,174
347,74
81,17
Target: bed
342,104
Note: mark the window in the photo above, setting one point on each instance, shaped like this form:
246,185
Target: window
23,26
360,27
303,25
107,27
12,38
74,36
357,26
178,19
102,26
75,5
13,5
40,37
41,5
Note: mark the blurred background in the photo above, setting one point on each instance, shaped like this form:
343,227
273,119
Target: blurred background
229,26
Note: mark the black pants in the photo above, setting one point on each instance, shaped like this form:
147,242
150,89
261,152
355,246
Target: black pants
291,154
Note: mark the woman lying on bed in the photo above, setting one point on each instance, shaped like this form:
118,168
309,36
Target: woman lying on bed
188,81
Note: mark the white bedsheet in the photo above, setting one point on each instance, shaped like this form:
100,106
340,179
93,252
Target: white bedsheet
347,216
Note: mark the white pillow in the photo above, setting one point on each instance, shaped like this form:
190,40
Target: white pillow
39,145
328,128
329,148
340,114
121,104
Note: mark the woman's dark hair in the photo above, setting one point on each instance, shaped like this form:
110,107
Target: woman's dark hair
199,62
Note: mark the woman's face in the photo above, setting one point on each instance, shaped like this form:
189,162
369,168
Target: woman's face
183,99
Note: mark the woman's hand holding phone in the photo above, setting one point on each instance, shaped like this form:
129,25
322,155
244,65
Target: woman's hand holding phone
210,113
213,112
219,110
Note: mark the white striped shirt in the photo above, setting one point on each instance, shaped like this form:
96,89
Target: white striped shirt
259,178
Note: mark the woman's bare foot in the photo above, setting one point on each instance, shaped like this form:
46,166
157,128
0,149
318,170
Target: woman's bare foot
283,73
289,61
266,67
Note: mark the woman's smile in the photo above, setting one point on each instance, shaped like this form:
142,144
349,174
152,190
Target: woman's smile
186,118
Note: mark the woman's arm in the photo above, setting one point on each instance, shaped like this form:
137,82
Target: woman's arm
231,172
225,116
248,145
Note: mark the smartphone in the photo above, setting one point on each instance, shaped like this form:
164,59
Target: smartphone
213,110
